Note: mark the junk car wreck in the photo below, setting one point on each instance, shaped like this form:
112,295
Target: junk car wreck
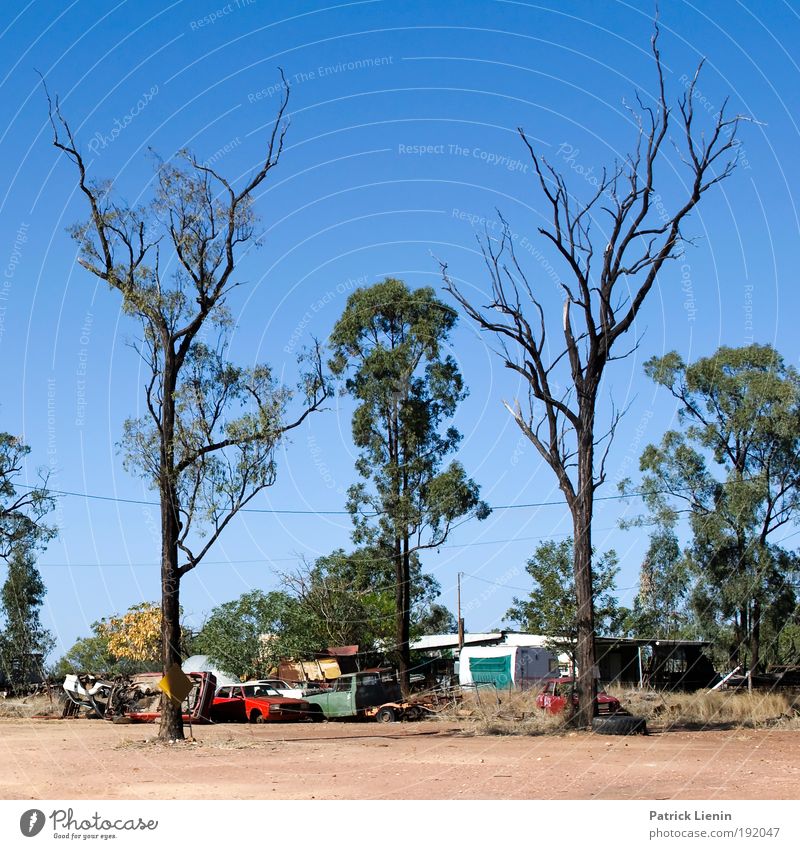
136,698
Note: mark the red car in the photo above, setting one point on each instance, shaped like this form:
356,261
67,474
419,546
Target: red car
253,702
553,697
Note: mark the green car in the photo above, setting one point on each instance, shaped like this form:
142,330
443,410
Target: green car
360,694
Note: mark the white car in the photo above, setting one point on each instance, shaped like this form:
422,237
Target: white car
289,689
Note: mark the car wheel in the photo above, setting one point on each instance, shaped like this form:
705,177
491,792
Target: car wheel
619,725
317,715
386,714
256,716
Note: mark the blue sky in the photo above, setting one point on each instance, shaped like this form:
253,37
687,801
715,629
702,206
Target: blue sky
353,201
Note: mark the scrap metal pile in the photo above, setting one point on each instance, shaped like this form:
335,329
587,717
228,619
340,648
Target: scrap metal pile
134,698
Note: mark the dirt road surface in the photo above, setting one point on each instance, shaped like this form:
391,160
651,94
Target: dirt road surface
84,759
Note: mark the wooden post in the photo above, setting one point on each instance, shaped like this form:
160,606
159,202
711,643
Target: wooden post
460,620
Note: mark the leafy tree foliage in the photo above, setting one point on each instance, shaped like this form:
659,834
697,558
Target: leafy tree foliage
436,619
552,607
120,645
388,345
136,635
24,642
207,440
22,514
732,472
233,635
661,607
340,599
348,598
91,654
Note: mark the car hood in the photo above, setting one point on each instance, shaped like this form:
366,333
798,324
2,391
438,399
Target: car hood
276,700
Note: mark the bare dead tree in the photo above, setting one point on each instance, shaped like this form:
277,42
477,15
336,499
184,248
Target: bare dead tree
207,440
603,293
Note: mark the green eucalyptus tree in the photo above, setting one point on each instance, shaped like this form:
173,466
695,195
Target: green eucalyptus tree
661,608
22,513
734,472
552,606
207,440
23,509
389,346
339,599
24,642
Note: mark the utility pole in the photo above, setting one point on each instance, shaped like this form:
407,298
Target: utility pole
460,620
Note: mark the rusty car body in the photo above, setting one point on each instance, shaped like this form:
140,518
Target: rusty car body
556,692
372,694
255,702
137,698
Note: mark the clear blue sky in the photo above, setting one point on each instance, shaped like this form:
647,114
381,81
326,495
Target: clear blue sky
370,80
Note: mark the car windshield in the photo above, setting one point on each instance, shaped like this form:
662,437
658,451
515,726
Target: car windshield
256,690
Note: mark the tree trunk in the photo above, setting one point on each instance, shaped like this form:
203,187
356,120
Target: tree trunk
742,636
582,508
585,648
171,714
755,638
403,615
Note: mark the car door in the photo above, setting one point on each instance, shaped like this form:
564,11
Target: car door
229,705
341,700
370,691
545,698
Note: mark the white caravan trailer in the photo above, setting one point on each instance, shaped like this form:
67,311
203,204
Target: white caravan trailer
506,666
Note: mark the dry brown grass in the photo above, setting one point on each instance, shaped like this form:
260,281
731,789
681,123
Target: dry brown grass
487,711
704,709
39,705
502,712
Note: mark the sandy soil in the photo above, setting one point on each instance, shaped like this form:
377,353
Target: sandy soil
74,759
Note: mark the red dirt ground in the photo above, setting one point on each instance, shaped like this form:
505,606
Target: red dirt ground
84,759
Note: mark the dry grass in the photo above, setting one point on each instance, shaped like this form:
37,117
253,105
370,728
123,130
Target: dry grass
704,709
486,711
503,712
39,705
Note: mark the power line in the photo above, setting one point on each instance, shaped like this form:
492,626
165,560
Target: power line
525,589
298,512
267,560
496,583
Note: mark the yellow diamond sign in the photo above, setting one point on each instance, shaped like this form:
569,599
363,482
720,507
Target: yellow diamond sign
176,684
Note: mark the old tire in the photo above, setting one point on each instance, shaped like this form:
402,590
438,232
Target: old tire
317,715
257,716
619,725
386,714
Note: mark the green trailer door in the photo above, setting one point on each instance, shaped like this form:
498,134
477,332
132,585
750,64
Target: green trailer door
491,670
